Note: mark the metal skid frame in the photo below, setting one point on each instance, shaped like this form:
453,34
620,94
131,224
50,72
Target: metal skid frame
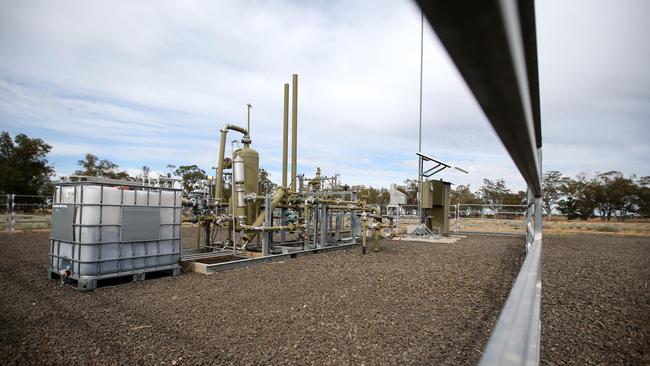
324,230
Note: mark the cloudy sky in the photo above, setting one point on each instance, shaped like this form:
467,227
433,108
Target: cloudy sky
151,82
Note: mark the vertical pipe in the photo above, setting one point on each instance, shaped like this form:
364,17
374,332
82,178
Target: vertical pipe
324,228
353,219
248,120
206,229
268,221
285,135
222,151
294,133
363,235
375,245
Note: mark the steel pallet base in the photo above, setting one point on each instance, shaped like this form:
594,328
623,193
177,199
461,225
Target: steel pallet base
207,268
91,283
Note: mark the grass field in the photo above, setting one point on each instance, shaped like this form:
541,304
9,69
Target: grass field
555,226
559,226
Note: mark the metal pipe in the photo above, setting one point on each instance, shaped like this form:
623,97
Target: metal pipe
285,135
290,227
338,202
277,197
222,153
375,246
248,120
364,227
294,133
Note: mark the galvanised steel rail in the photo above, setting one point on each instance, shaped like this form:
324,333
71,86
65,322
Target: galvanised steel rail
493,44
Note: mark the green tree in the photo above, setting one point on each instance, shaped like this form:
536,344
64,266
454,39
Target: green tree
551,184
577,200
92,166
627,196
24,168
493,193
464,194
190,175
518,198
170,168
614,195
410,188
643,196
375,196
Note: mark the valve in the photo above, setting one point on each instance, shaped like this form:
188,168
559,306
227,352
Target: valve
250,197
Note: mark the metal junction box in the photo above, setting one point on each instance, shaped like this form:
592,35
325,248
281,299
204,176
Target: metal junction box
435,205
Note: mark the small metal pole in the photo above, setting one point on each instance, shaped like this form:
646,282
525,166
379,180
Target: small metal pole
339,224
353,219
529,218
283,222
457,223
207,239
306,238
316,224
232,206
8,208
198,236
249,119
323,225
268,221
375,247
12,223
363,235
538,218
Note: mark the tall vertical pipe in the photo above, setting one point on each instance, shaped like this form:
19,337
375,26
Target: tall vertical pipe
285,135
294,133
222,150
248,123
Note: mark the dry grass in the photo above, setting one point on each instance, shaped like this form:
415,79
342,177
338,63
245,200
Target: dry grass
555,226
558,226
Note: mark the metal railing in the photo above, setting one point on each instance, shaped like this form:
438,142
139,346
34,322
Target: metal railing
20,211
497,58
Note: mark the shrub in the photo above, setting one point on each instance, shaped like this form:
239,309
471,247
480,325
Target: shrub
609,229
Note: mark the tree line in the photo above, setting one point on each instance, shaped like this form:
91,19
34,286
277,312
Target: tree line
25,170
607,195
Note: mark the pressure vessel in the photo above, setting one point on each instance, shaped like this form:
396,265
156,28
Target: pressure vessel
251,179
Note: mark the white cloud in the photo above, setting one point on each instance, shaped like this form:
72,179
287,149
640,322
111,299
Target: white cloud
150,84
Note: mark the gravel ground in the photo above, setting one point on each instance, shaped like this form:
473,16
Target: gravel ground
411,303
596,300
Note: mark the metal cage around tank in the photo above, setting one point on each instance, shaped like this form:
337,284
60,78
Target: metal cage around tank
103,228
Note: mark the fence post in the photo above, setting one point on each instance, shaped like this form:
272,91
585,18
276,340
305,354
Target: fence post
12,214
7,211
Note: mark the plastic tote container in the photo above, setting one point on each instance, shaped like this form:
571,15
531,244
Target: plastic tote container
103,229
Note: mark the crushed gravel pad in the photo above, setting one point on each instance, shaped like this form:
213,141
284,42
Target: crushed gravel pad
596,300
411,303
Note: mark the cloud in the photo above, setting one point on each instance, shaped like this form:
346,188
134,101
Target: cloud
144,84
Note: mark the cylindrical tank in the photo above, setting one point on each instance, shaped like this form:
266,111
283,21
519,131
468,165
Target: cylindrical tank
251,179
239,179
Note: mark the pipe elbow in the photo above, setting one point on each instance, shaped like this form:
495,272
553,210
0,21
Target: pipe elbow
229,126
